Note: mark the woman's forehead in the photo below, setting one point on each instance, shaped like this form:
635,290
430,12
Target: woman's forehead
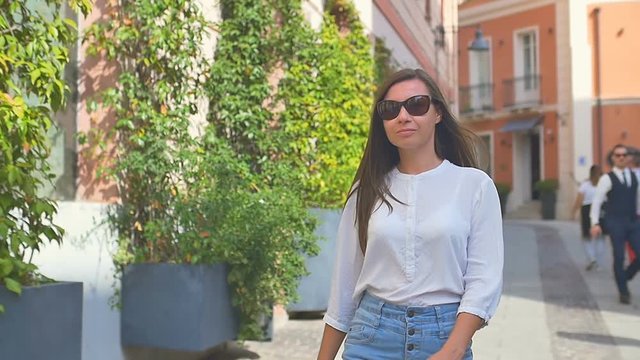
403,90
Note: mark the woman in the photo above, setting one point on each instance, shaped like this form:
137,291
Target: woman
420,252
594,247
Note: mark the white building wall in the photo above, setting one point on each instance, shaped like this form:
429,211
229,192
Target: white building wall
581,88
566,123
400,53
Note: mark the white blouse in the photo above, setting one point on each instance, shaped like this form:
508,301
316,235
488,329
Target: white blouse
443,245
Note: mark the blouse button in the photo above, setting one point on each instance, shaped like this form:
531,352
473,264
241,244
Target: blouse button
410,347
410,313
411,331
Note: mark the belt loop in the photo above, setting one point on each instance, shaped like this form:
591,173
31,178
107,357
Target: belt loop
440,320
379,305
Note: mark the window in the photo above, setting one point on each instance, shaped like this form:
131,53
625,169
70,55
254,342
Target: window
480,89
529,57
427,10
526,77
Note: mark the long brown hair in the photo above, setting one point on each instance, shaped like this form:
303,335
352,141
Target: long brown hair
452,142
594,174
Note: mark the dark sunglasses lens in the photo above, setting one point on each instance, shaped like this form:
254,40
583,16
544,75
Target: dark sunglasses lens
418,105
388,109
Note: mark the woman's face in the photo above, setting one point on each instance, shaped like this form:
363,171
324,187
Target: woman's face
411,133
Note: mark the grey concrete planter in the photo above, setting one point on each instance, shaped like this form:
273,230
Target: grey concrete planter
548,200
313,290
44,323
176,307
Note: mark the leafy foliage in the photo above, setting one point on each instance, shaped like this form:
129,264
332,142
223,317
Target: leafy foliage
34,50
327,93
270,226
199,199
546,185
156,45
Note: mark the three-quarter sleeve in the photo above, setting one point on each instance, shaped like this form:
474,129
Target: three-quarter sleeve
346,271
485,255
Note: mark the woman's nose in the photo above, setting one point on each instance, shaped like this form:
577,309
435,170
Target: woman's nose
403,115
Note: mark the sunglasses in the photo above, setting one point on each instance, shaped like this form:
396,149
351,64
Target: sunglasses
415,106
620,155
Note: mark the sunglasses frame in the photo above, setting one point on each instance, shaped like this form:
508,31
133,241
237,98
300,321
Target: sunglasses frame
403,104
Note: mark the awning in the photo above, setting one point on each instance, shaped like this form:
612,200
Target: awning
522,124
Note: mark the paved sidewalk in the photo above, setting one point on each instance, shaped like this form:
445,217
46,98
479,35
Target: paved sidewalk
551,307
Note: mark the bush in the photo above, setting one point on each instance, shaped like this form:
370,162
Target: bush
546,185
503,188
34,43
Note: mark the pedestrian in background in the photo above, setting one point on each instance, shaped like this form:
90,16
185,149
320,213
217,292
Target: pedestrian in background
620,190
419,247
594,247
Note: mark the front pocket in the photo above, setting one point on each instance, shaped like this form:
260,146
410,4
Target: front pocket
360,334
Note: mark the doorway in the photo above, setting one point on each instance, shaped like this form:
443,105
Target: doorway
534,141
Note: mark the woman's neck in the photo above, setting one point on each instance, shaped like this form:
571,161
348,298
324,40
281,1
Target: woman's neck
418,163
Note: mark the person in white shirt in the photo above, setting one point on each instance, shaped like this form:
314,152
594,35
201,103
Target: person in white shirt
620,190
420,249
594,247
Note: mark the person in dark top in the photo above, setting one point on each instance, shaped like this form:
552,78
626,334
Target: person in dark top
620,189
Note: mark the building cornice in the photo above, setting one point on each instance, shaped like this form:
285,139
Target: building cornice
618,101
507,114
497,9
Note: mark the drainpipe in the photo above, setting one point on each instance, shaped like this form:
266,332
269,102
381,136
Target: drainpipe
598,83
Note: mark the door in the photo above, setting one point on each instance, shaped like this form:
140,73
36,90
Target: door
534,139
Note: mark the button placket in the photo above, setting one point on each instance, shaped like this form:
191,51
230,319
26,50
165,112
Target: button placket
410,255
411,344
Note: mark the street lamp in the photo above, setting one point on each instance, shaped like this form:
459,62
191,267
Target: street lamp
479,43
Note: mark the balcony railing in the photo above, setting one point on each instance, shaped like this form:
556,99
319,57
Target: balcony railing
476,98
522,91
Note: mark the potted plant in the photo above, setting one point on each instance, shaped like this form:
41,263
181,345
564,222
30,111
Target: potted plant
547,189
503,193
196,217
336,64
31,89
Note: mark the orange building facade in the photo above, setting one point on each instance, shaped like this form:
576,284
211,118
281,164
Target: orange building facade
556,90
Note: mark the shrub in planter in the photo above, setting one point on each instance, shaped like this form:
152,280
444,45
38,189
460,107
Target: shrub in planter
34,43
327,91
503,193
547,189
199,200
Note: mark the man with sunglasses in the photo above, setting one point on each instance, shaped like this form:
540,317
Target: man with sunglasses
620,190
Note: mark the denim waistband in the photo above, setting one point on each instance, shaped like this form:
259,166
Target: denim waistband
430,313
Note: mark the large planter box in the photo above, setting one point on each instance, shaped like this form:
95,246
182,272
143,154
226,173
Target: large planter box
177,307
548,200
313,290
44,323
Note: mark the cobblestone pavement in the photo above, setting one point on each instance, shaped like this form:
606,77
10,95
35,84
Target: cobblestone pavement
551,309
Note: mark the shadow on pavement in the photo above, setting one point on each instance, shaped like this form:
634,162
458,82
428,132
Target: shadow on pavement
599,339
226,351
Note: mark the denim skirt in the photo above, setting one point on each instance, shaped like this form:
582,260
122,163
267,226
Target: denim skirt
380,330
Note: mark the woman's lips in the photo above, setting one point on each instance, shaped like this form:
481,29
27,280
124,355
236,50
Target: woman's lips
405,132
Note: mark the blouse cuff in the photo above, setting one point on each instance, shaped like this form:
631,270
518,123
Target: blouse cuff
335,324
477,312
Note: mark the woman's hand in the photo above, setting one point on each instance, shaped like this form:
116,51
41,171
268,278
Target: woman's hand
448,354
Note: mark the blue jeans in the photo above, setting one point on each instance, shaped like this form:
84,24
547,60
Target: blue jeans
380,330
622,230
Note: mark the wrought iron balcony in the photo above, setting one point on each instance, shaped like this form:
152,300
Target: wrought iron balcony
476,98
522,91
